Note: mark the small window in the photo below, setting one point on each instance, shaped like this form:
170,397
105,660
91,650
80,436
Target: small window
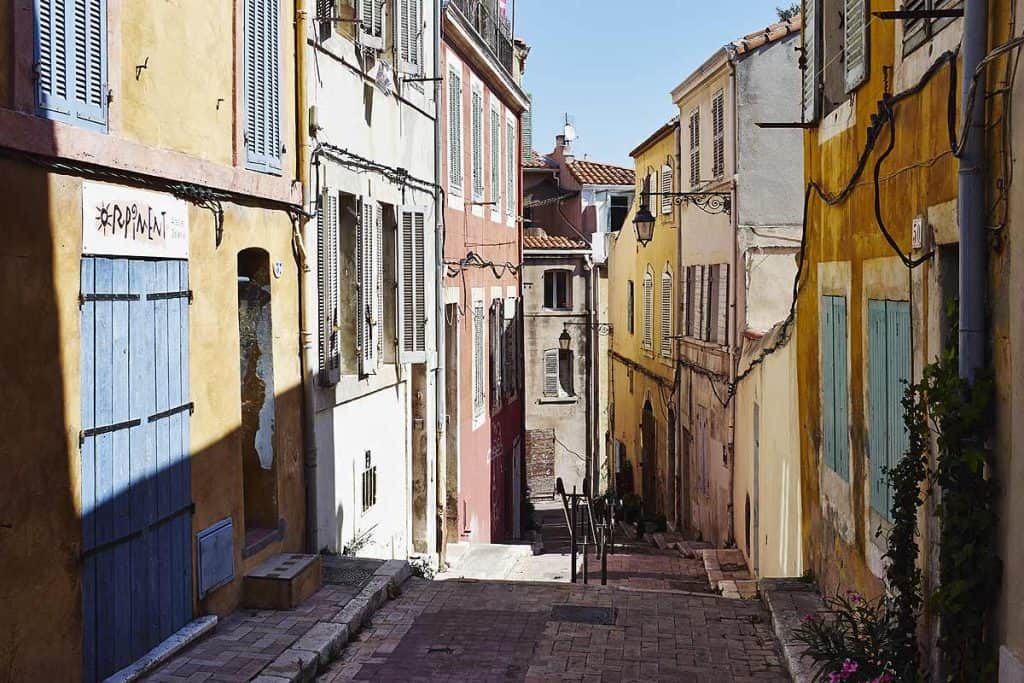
455,176
619,210
477,142
630,308
557,291
369,482
718,134
558,379
695,148
647,312
666,315
262,86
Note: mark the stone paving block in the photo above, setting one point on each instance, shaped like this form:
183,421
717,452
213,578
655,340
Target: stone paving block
294,665
325,639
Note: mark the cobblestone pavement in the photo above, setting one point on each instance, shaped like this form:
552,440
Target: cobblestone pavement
508,631
248,640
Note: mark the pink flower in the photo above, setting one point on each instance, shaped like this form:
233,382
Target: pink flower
854,597
884,678
834,677
849,667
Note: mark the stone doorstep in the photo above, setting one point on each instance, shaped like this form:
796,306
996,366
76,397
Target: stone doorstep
789,602
185,636
323,643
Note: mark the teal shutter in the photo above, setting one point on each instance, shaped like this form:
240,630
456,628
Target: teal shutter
898,365
262,83
828,365
877,408
889,373
841,388
71,60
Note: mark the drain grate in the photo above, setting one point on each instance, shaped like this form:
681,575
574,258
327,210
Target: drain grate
579,614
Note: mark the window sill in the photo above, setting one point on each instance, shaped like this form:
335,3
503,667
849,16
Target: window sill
563,400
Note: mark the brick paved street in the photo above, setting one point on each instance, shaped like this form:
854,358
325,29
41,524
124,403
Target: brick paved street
505,631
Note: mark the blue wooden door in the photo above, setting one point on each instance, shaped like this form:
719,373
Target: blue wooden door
136,488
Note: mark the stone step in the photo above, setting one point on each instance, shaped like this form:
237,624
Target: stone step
282,582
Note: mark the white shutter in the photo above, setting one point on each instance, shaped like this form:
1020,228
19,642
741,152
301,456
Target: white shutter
684,303
367,267
409,32
811,61
666,189
511,170
477,142
412,318
722,305
327,227
666,314
455,175
527,132
648,311
378,279
695,148
371,23
855,43
551,373
718,134
700,302
495,162
478,359
652,199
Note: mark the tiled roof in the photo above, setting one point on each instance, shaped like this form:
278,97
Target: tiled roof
767,35
537,161
596,173
551,242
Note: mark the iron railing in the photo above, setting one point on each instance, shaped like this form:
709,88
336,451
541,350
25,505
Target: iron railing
491,25
586,530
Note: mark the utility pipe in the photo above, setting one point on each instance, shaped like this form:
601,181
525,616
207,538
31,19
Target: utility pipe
971,199
306,281
440,342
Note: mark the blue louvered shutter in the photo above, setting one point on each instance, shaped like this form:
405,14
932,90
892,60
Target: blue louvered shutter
262,83
71,60
877,409
828,371
841,388
897,342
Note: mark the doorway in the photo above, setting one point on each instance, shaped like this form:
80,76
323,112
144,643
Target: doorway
649,462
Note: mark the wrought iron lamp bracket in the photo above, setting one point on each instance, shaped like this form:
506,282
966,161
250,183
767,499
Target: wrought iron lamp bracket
708,202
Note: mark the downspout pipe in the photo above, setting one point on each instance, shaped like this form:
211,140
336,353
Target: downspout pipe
307,286
441,396
972,191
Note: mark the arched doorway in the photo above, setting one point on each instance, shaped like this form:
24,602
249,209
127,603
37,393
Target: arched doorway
649,437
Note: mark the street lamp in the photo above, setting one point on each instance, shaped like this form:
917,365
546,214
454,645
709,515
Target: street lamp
644,224
564,340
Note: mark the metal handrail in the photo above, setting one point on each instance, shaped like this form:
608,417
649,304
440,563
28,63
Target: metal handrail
603,533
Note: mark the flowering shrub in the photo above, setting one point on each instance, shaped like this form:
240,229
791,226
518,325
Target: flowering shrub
850,642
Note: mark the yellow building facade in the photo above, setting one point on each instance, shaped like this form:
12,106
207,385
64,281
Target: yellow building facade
642,290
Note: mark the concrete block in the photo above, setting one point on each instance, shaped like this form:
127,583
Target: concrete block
353,615
293,665
326,640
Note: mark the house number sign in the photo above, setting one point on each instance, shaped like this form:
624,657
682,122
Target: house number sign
123,221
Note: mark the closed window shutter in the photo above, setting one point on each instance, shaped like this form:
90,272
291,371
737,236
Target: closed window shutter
90,46
666,189
811,61
496,161
703,305
652,198
551,373
684,303
855,44
366,265
915,31
722,305
495,355
478,360
648,311
511,205
262,86
508,354
71,59
718,130
527,132
371,23
327,228
378,279
630,307
325,11
666,315
412,284
478,145
54,63
455,132
410,39
841,388
695,148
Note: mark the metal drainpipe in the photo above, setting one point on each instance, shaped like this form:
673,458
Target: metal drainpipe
306,284
971,201
441,433
592,447
734,344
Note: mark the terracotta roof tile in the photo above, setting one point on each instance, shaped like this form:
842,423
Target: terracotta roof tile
537,161
596,173
551,242
767,35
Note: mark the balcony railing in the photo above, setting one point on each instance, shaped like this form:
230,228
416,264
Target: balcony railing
491,25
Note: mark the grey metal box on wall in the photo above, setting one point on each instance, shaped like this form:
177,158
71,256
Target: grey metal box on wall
216,556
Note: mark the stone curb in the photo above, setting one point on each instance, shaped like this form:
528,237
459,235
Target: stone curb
189,634
788,605
323,643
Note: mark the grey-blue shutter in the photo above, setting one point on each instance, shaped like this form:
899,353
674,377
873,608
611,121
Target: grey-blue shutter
90,48
262,83
71,59
828,382
812,61
53,55
898,367
855,45
841,388
878,417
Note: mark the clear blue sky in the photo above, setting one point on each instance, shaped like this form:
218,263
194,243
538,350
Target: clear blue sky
612,65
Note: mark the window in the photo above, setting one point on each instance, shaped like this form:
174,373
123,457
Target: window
369,479
666,189
370,284
718,326
262,84
619,210
495,163
71,59
510,340
916,32
630,305
652,192
557,290
478,362
371,23
455,175
558,381
705,303
835,53
835,386
410,37
328,347
888,376
718,134
647,312
695,148
527,126
495,324
477,143
855,43
412,272
666,314
510,169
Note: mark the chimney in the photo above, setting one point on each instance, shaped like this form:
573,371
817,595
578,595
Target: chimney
563,149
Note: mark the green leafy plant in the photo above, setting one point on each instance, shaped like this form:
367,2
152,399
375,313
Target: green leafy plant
422,568
850,641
